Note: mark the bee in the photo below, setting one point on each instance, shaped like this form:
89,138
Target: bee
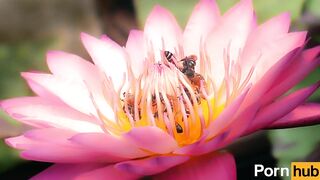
154,104
196,92
196,81
129,100
169,56
189,64
188,69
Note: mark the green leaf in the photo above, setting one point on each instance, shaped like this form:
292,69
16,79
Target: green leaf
8,157
312,6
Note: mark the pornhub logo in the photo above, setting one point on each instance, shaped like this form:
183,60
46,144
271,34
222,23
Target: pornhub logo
297,171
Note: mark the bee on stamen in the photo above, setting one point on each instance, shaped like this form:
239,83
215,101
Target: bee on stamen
196,81
155,104
128,98
187,68
179,128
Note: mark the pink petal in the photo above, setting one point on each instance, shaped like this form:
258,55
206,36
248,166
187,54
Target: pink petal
40,90
303,115
109,56
162,31
152,165
57,154
61,136
108,144
242,121
216,166
70,66
296,72
267,32
145,138
108,172
203,19
65,171
260,87
19,142
203,146
226,117
282,107
72,92
230,34
52,145
137,51
37,111
51,152
252,102
271,52
189,149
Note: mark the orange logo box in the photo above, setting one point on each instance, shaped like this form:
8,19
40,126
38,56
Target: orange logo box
305,170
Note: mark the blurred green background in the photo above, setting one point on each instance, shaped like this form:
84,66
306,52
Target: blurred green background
28,28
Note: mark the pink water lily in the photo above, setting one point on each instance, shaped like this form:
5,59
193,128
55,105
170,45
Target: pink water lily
146,110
